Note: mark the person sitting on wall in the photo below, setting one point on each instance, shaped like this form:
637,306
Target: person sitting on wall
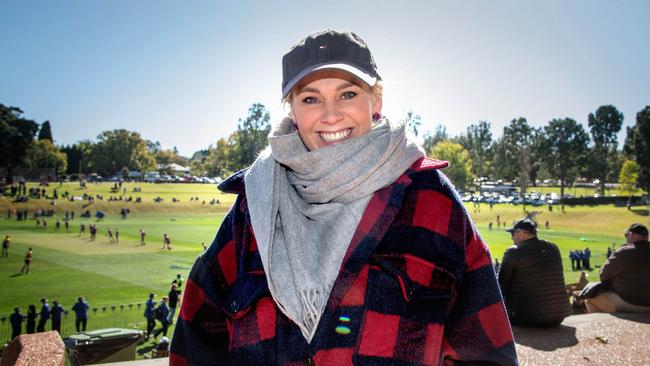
532,279
625,277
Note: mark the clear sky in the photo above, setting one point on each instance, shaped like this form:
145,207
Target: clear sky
184,72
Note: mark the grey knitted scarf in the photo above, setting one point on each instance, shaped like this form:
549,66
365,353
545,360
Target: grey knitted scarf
306,205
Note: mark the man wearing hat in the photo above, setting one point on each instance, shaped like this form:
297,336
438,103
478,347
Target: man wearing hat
532,279
626,276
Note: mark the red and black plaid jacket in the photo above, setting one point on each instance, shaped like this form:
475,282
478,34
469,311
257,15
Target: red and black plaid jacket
416,287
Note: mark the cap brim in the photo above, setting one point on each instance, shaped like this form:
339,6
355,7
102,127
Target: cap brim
510,229
366,78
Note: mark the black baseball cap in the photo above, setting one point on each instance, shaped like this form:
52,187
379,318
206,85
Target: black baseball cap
328,49
524,224
638,229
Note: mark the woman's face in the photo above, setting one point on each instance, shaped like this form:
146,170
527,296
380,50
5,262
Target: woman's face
332,106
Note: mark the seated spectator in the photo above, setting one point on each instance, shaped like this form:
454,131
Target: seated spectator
532,279
161,349
625,276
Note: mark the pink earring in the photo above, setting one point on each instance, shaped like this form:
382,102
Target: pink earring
376,117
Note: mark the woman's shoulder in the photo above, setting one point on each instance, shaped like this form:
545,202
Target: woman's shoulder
234,183
426,174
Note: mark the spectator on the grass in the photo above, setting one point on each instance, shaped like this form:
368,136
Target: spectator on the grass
57,313
27,261
178,281
174,296
149,313
16,320
532,279
82,229
625,276
117,236
142,235
30,326
5,246
80,309
579,259
167,241
586,258
162,317
573,258
44,315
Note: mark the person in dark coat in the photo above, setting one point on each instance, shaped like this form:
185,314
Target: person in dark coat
16,320
30,327
625,276
57,314
44,315
174,295
163,311
80,309
532,279
149,313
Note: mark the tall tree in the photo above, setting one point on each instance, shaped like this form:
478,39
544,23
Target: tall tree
250,137
43,154
512,155
45,133
431,139
565,146
118,149
628,178
77,156
638,146
604,126
217,163
459,170
16,136
477,141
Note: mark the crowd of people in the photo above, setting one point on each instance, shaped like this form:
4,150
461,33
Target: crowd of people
47,313
580,259
37,320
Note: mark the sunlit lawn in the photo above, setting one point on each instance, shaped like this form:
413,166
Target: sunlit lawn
66,265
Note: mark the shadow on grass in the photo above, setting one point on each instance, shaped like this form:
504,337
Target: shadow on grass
545,339
15,275
640,211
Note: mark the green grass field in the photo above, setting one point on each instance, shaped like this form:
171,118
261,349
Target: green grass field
66,265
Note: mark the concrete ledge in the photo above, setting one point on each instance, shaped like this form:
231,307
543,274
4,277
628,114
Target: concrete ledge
589,339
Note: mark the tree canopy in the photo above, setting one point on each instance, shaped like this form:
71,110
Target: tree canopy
459,170
604,126
564,146
119,149
45,133
16,137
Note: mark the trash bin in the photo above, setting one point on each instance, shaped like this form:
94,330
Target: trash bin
103,346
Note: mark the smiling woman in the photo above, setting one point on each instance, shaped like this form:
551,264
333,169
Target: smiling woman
346,245
330,106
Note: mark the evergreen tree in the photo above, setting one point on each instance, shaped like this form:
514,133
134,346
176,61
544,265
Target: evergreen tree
45,133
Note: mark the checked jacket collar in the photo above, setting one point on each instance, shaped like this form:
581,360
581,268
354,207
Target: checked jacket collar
416,287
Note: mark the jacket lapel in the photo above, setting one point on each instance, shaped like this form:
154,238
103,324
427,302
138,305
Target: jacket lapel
376,220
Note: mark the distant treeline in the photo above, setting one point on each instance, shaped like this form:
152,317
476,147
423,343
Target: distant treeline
562,150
